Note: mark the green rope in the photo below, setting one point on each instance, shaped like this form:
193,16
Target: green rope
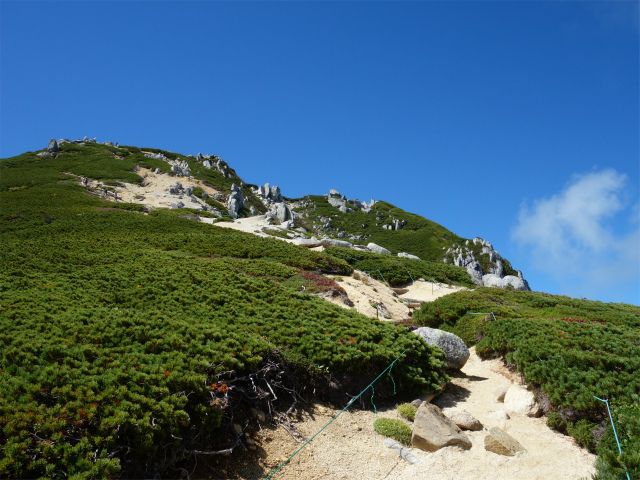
615,433
375,436
385,280
411,276
340,413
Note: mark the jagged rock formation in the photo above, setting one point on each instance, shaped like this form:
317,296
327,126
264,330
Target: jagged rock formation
340,202
464,256
508,281
215,162
268,194
235,201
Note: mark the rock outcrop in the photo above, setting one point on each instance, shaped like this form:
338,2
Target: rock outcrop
378,249
463,256
53,146
433,431
235,201
453,346
509,281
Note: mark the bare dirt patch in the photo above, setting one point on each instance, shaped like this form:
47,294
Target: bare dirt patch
349,448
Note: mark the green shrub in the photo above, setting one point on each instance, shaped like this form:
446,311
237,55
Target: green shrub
555,422
407,410
582,431
396,429
610,464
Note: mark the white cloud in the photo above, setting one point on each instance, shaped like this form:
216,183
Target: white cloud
576,237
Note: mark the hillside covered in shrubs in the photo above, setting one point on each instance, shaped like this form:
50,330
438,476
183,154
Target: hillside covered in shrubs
132,339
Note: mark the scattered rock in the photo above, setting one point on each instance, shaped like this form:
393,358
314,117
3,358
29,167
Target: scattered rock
499,394
408,255
312,242
378,249
499,415
331,242
462,419
453,346
405,454
433,431
521,401
500,442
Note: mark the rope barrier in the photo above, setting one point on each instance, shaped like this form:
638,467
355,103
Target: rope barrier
614,432
481,313
385,280
340,413
411,276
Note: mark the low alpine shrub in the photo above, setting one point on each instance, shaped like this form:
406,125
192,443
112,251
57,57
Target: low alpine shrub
407,410
396,429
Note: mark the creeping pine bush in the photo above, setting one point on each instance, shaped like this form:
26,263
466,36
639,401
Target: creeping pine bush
610,464
123,337
407,410
396,429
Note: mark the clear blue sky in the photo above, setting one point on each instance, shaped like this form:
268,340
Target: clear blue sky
514,121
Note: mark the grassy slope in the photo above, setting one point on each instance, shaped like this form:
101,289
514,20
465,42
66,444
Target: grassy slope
122,329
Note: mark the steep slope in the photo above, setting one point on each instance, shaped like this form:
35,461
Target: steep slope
132,338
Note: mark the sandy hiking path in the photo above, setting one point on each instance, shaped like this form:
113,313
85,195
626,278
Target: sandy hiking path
349,448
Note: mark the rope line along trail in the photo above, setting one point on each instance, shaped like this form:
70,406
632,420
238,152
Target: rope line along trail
339,413
614,432
489,313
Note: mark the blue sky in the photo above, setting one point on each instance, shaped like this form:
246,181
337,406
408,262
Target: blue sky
514,121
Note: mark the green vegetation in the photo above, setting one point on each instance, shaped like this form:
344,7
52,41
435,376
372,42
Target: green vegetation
419,236
400,271
127,340
396,429
408,411
568,351
610,464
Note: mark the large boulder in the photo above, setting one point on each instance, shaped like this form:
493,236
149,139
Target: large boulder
378,249
312,242
282,211
53,146
500,442
332,242
433,431
452,345
517,283
521,401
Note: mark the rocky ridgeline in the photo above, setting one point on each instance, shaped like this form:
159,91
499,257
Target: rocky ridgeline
54,145
463,256
281,213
